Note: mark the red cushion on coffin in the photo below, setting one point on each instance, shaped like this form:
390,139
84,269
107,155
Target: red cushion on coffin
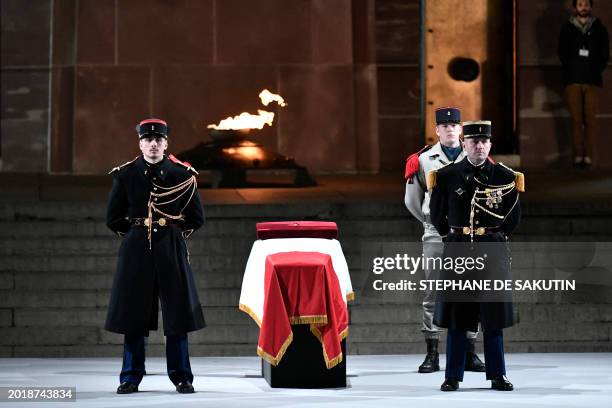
297,229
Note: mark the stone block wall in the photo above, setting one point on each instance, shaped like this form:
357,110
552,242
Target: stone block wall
78,75
58,262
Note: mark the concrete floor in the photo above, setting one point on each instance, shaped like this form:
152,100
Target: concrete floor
541,380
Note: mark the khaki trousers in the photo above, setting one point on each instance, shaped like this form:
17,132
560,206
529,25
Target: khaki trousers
583,102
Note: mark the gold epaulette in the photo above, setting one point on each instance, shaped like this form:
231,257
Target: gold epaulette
123,165
432,177
519,178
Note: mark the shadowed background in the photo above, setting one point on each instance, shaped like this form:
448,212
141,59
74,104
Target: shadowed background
78,75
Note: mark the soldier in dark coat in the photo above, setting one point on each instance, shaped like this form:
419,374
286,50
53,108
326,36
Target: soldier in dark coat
476,201
154,205
447,150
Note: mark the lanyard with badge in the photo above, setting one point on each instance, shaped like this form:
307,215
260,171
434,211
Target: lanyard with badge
584,51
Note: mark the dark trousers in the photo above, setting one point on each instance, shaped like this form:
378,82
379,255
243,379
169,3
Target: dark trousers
177,359
493,352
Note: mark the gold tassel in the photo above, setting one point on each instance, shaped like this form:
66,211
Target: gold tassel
519,180
350,296
431,179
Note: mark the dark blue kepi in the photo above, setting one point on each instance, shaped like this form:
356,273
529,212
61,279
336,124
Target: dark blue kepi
448,114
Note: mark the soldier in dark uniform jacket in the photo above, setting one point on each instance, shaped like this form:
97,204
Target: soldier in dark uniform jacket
447,150
475,200
154,205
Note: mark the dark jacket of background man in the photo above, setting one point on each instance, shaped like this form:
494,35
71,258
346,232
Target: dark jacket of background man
577,69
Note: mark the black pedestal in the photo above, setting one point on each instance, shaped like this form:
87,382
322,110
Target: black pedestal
303,365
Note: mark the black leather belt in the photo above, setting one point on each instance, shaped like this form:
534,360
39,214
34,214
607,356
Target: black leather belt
144,222
475,231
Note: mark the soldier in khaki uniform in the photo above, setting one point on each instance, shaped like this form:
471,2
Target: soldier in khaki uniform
432,157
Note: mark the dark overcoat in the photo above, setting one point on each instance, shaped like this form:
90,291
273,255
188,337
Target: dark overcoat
451,206
156,270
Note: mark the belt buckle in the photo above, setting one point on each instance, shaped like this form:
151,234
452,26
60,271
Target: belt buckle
480,231
466,230
162,222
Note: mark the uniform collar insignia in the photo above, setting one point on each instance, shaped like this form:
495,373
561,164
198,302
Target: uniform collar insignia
161,169
164,168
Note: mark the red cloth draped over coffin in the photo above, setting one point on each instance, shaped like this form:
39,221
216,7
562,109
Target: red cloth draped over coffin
302,288
297,229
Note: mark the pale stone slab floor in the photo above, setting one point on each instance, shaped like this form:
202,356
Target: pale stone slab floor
541,380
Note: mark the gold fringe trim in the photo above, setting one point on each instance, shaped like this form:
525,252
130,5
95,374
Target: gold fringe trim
329,363
333,362
275,360
312,320
431,179
318,319
344,334
350,296
519,180
250,312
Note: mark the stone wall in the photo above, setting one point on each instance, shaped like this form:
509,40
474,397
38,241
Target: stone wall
25,91
58,261
77,76
192,62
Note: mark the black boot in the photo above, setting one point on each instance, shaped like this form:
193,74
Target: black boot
501,383
449,384
472,362
185,387
432,359
127,387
